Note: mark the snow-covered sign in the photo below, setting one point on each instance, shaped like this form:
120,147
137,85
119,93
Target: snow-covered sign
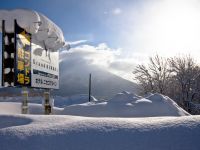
30,49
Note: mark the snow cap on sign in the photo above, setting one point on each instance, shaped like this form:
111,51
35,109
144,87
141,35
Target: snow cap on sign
44,31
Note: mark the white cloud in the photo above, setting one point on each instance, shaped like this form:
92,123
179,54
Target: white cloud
116,11
77,42
102,57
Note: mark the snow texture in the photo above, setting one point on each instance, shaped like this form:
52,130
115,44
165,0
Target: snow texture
123,104
44,32
15,108
22,132
58,100
126,104
52,132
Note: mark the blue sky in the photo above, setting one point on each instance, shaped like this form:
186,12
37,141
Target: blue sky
119,34
97,22
79,19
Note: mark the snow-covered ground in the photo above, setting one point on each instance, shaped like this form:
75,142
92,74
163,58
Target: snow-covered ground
19,132
15,108
123,104
113,125
58,100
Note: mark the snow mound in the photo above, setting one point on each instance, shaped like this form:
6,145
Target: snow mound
82,133
126,104
156,97
123,104
124,97
165,104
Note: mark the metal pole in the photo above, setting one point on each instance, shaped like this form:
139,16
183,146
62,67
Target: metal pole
24,100
3,47
90,87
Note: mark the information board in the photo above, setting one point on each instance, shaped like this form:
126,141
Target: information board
26,63
44,67
22,57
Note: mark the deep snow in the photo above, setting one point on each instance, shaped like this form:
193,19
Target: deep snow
53,132
123,104
29,132
127,104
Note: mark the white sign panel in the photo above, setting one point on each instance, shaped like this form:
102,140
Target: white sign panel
44,68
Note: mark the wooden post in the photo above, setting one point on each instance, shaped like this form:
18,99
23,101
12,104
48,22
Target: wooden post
47,106
90,87
24,100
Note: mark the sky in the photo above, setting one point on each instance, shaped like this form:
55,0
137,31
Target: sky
118,34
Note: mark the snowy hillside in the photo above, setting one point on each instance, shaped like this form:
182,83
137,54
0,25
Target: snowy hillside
104,83
19,132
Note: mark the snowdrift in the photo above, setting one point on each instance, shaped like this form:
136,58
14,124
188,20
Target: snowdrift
127,104
52,132
123,104
82,133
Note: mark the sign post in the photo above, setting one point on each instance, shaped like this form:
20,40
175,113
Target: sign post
24,100
47,106
2,54
90,87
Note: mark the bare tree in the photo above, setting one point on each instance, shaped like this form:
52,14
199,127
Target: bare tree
176,77
144,78
187,74
154,76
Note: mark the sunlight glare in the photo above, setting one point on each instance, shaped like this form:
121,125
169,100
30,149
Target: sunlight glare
177,27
